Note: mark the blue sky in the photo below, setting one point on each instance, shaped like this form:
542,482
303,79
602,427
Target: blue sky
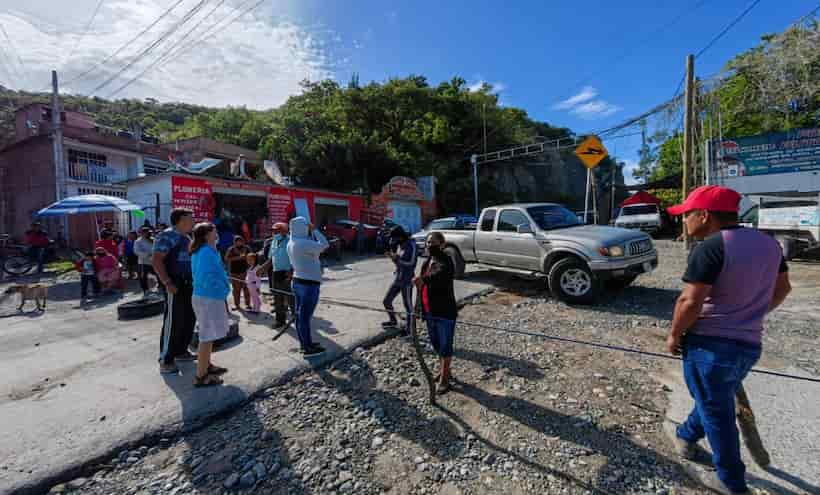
617,59
543,52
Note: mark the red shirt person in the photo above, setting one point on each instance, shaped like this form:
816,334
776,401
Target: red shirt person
37,242
108,243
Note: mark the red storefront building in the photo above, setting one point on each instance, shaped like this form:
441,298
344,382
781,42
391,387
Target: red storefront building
256,204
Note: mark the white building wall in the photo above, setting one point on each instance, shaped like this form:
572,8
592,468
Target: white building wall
794,182
124,165
145,192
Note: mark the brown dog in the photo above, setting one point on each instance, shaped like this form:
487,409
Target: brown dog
37,292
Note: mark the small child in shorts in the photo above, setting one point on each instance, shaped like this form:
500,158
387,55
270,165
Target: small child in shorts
88,275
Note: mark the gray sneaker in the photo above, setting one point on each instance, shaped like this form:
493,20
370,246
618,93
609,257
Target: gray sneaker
687,450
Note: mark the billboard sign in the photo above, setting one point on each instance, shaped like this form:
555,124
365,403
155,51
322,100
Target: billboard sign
193,194
797,150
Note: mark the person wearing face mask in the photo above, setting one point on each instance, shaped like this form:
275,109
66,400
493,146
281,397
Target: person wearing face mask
304,248
280,271
438,298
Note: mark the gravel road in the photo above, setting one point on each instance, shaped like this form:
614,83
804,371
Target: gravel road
526,415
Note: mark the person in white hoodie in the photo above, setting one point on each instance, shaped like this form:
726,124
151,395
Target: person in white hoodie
304,248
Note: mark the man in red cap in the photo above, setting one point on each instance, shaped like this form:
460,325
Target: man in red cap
734,278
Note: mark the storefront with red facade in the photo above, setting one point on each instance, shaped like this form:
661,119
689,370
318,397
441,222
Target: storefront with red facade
249,207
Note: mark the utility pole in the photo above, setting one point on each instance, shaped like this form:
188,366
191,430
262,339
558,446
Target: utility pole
57,145
688,133
612,194
474,161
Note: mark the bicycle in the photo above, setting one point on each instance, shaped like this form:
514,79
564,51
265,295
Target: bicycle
15,261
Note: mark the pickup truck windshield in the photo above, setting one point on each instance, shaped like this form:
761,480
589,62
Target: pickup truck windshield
639,210
550,217
442,224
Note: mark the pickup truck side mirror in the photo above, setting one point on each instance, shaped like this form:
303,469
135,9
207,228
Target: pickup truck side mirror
524,229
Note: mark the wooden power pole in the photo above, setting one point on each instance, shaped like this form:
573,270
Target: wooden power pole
688,133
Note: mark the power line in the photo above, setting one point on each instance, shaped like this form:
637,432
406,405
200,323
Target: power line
83,33
168,55
125,45
627,53
346,303
158,61
727,28
14,52
153,45
211,30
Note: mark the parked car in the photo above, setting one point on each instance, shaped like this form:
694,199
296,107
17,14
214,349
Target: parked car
345,230
647,217
545,240
457,222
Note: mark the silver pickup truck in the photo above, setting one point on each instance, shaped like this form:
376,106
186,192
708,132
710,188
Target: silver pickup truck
547,240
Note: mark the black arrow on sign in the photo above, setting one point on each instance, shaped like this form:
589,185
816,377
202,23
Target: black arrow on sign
592,151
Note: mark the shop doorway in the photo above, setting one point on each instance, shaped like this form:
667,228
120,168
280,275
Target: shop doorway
240,212
328,210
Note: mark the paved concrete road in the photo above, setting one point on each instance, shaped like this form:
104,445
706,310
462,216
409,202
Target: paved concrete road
78,383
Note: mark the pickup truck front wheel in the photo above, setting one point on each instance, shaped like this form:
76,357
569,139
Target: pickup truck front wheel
572,281
458,262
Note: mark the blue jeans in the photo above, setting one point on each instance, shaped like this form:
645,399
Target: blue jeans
306,297
714,369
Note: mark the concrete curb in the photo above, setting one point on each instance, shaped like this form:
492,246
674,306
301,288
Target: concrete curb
152,438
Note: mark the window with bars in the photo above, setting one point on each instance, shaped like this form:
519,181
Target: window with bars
105,192
76,157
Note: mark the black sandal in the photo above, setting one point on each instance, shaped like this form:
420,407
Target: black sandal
216,370
208,380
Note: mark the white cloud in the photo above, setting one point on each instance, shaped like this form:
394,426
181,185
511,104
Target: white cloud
256,61
629,168
596,108
586,93
585,105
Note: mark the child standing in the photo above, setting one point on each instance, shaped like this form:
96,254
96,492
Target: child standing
253,283
88,275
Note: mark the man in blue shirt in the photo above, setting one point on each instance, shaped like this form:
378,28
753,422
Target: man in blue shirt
172,264
279,269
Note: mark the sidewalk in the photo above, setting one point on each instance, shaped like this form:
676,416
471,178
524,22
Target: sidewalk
81,384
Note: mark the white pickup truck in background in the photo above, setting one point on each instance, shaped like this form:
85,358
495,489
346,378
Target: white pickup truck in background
794,222
647,217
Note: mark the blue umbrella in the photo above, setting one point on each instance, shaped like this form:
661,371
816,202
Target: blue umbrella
89,203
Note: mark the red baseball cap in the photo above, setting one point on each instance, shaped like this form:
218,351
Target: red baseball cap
711,198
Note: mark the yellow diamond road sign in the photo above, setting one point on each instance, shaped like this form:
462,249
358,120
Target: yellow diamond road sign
591,151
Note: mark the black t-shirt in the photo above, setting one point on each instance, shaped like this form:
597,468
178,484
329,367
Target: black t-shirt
706,260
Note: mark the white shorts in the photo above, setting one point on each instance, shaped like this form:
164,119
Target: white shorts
211,318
